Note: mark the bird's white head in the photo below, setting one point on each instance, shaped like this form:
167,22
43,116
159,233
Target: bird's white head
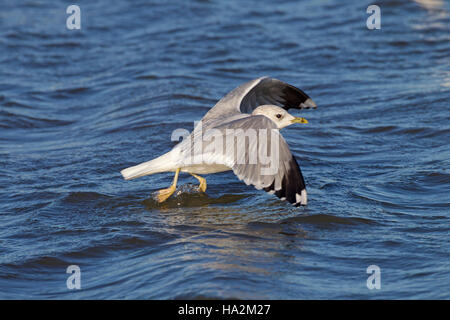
278,115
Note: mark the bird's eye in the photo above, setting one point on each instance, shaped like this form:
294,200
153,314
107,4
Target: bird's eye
278,115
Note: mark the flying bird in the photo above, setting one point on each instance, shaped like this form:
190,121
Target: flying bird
240,133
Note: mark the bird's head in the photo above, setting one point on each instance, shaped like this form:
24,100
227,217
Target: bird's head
278,115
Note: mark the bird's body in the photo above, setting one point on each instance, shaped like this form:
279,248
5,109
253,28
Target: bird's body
237,134
169,162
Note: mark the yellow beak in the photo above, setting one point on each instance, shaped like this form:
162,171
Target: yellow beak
299,120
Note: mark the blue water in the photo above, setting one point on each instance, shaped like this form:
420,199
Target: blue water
77,106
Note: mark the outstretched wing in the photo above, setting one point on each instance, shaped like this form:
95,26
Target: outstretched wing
259,156
265,90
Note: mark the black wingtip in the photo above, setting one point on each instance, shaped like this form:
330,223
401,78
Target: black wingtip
308,104
293,189
297,99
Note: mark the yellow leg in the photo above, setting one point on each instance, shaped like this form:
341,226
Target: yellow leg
163,194
202,186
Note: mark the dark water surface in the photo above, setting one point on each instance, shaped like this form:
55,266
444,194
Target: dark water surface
77,106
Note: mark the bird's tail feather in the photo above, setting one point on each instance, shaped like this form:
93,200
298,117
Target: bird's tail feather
160,164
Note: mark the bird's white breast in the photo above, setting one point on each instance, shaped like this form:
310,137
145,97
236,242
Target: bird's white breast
205,168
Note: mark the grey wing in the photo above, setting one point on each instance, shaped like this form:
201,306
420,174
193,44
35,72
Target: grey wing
274,168
265,90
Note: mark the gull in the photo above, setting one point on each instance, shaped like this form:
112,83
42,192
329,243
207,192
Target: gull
240,133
